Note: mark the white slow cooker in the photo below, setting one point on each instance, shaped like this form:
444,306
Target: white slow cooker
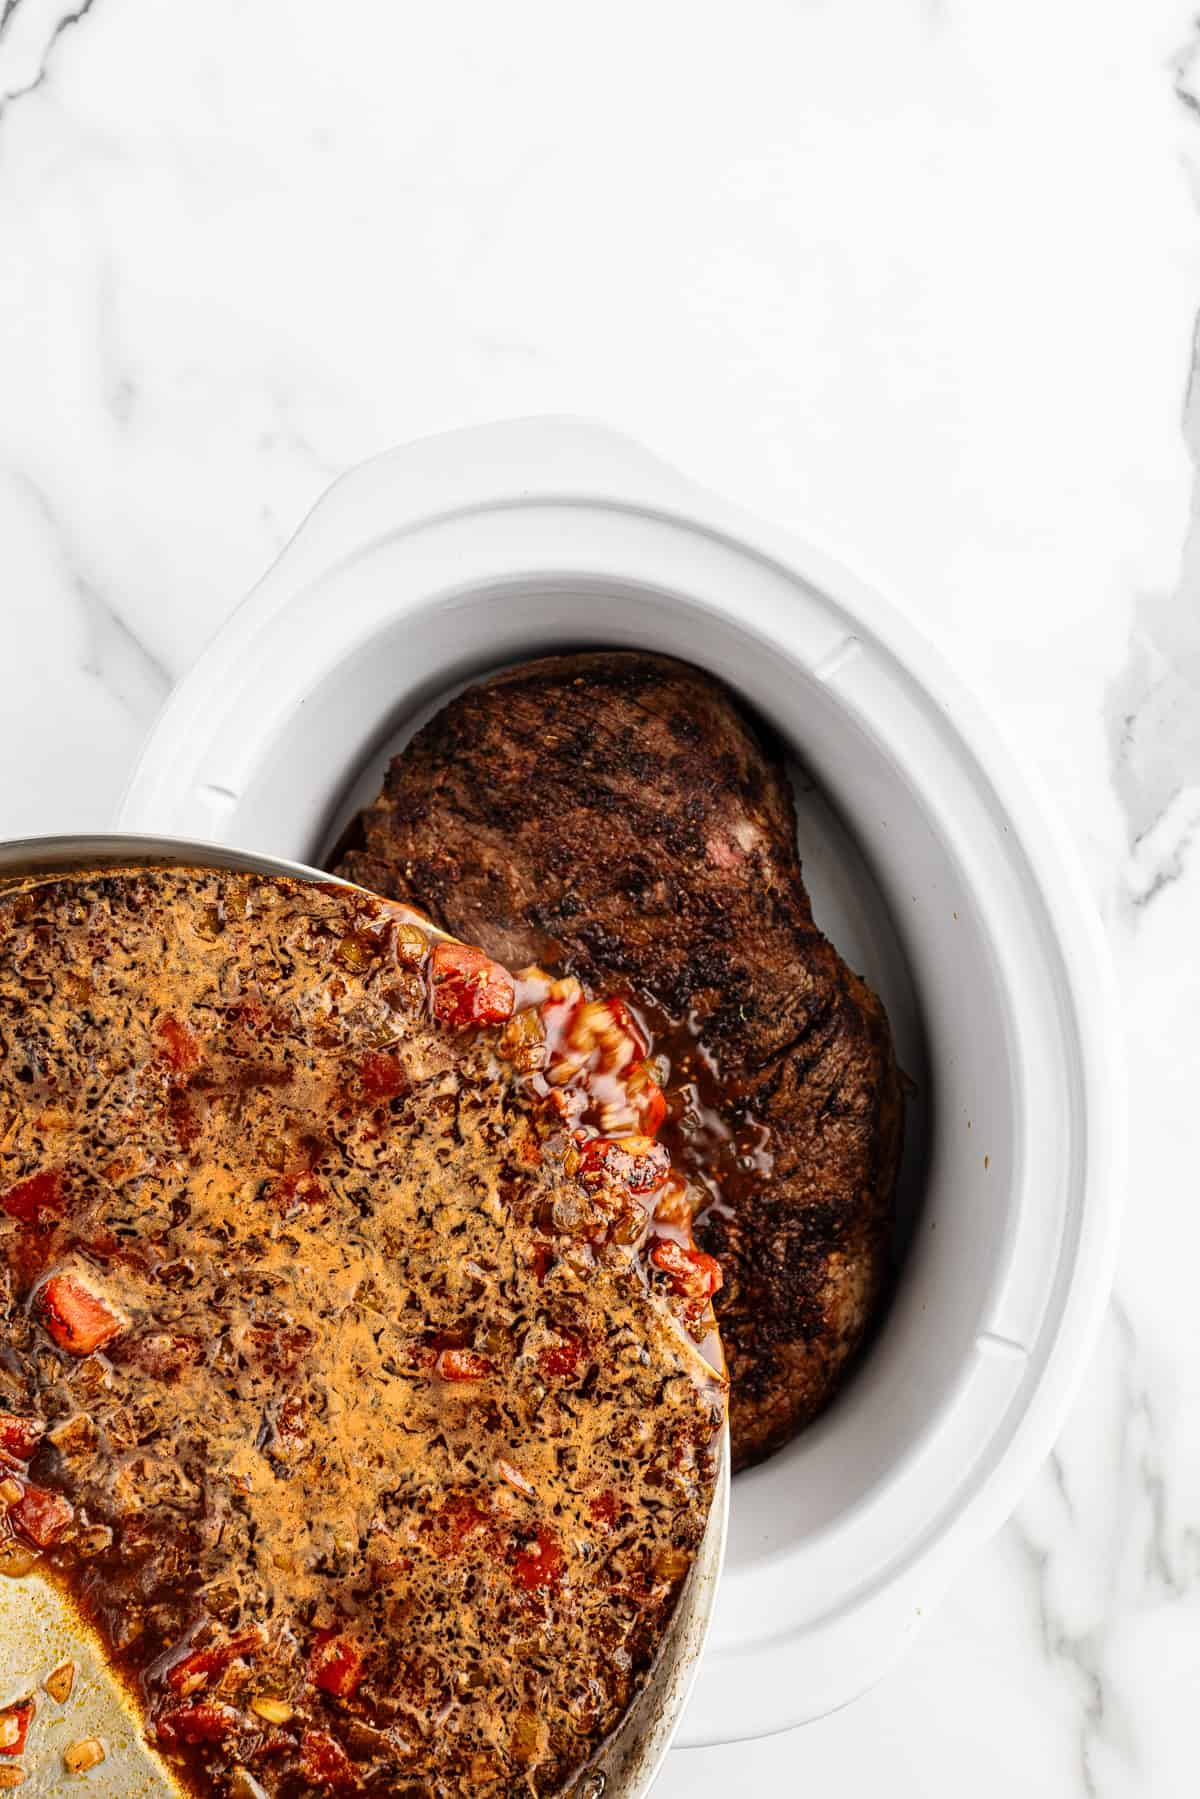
932,865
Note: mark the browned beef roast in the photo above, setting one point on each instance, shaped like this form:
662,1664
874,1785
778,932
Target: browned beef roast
619,815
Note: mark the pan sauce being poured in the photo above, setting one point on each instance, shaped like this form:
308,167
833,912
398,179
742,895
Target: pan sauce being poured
352,1386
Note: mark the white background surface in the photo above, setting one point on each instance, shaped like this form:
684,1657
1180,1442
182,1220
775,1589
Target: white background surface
915,276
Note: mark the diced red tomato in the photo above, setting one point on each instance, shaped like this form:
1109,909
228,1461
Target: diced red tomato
561,1360
77,1317
14,1727
540,1563
463,1364
325,1762
41,1516
205,1722
469,988
195,1670
693,1274
20,1436
180,1045
336,1664
42,1194
604,1509
382,1077
458,1520
638,1164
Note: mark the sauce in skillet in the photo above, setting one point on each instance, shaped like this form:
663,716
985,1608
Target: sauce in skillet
353,1372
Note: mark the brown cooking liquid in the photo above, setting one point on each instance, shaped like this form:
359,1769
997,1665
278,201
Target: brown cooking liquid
356,1365
723,1162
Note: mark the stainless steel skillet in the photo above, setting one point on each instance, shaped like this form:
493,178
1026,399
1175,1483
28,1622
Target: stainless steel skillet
38,1631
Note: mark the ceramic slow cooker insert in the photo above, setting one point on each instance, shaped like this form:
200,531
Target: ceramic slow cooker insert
938,876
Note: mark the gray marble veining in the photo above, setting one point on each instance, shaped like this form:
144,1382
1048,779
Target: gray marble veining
920,279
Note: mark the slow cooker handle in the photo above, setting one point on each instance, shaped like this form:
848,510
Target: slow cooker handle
558,456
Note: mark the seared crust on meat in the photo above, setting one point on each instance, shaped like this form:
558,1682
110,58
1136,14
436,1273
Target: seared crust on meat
619,815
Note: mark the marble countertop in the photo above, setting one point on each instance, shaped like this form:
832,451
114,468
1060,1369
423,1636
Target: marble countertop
918,277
